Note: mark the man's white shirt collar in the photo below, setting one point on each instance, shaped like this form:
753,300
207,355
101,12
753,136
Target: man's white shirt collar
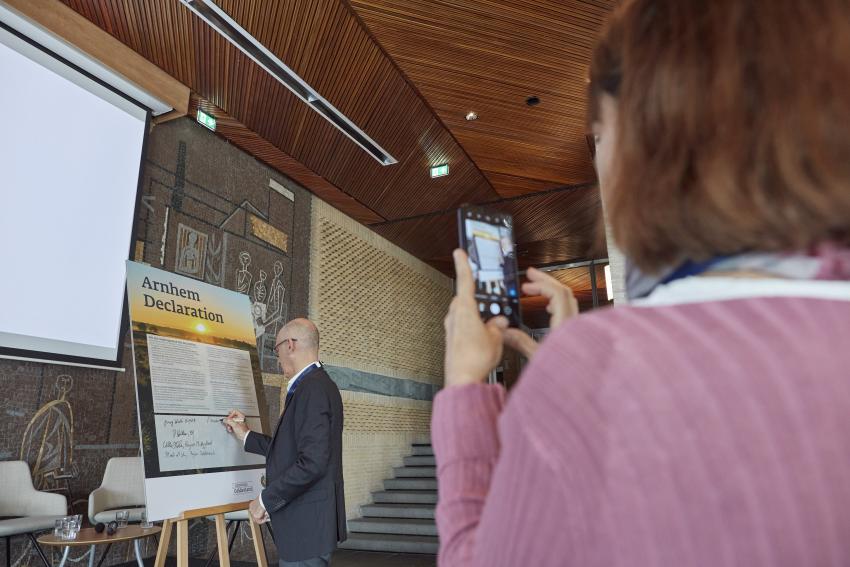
292,380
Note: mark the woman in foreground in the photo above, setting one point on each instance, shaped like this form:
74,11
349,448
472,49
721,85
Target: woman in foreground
710,423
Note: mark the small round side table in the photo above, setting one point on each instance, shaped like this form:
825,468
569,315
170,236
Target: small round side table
88,536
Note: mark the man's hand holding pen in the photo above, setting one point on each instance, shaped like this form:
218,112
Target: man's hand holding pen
235,424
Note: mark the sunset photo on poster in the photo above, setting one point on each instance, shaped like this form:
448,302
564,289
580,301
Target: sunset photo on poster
181,307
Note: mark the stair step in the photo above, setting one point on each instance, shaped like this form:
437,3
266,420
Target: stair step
418,461
415,472
413,511
411,484
405,497
392,543
397,526
401,517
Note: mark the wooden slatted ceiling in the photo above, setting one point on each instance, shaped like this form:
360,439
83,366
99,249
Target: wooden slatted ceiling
489,56
266,152
325,43
548,227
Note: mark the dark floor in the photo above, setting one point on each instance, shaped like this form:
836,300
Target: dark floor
345,558
341,558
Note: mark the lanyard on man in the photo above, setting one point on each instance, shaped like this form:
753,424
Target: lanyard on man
304,373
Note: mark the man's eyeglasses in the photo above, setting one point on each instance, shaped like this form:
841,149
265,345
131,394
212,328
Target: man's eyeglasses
277,346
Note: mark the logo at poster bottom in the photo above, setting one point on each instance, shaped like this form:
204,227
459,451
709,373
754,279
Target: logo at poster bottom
243,487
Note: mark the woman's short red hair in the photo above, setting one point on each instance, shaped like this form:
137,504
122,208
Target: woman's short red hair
733,126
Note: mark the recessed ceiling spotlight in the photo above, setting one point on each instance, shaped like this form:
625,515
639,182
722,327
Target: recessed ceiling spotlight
532,101
471,115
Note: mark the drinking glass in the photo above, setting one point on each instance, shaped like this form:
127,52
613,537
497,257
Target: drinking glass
57,528
68,528
145,523
73,529
122,517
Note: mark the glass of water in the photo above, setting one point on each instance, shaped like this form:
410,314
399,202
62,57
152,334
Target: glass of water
75,525
68,528
122,517
57,528
145,523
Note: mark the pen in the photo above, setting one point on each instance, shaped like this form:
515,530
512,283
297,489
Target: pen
235,419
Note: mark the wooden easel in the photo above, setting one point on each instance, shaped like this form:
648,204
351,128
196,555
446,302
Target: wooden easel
182,523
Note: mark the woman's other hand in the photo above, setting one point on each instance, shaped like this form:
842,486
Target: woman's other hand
473,348
562,305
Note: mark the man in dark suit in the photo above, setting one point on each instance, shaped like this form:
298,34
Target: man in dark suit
304,496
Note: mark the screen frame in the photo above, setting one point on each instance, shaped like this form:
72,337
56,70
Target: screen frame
72,360
465,214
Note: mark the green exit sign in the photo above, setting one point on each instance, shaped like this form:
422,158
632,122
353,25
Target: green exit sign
440,170
207,120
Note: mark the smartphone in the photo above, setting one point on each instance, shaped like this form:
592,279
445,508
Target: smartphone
488,238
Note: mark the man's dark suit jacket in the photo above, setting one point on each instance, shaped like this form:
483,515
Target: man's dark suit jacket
304,490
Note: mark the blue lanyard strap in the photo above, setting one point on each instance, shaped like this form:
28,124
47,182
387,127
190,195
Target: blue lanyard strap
307,370
690,268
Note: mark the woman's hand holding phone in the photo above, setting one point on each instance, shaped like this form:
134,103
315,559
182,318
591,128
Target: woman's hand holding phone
562,305
473,347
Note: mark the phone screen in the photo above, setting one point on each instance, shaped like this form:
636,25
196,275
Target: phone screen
488,239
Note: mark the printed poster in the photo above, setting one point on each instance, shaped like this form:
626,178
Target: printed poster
195,355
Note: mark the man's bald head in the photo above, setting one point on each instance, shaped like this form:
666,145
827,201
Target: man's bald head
298,345
303,331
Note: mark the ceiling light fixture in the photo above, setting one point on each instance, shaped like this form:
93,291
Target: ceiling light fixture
248,44
471,115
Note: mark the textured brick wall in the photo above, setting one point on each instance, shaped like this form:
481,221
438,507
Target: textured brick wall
371,413
380,311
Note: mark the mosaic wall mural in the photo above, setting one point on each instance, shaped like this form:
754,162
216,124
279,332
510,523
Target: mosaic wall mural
232,231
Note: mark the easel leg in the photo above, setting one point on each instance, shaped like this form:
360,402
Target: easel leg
164,541
221,537
182,543
259,548
263,543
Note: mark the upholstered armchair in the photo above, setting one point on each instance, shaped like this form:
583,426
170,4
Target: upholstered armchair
122,488
27,510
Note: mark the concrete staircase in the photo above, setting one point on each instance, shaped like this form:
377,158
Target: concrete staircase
401,517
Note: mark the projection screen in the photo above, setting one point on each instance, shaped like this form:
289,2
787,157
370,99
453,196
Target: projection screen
70,157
